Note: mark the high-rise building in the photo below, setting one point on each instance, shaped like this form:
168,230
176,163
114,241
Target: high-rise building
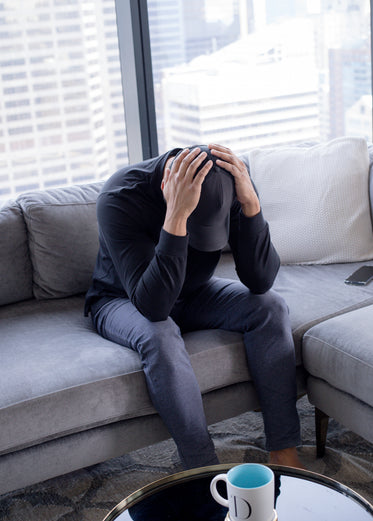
245,95
167,36
58,116
358,120
350,80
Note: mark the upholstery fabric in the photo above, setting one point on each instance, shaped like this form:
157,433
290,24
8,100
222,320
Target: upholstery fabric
339,351
15,264
345,408
63,238
59,376
85,448
326,221
312,293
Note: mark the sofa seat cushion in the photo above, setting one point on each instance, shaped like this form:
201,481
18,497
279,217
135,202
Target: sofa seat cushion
58,376
312,293
339,351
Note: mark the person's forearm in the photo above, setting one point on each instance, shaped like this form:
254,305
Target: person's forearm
256,259
159,286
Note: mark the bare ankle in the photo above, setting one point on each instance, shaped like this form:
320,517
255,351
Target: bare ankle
286,457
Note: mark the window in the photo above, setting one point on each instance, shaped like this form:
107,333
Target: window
244,73
251,73
59,74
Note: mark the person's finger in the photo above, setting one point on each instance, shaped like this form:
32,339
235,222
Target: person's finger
225,155
195,164
200,176
166,177
219,147
178,160
187,160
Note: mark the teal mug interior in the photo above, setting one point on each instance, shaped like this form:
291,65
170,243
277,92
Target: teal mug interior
250,475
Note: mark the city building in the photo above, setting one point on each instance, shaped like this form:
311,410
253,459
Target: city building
254,92
61,107
358,121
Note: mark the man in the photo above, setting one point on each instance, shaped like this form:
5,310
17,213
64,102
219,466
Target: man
162,225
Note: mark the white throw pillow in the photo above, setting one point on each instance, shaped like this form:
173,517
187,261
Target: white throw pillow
316,200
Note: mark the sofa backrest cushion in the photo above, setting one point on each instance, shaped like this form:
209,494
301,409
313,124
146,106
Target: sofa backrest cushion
316,200
15,264
63,238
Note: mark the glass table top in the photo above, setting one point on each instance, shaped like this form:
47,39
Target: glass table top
299,496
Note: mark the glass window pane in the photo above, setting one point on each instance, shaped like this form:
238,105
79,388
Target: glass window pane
61,111
248,73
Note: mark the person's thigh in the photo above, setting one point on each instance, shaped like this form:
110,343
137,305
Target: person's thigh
120,322
225,304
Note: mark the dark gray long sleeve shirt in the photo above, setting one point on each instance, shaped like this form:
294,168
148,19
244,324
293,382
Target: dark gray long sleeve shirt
139,260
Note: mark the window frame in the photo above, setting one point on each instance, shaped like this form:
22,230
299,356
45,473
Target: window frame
137,79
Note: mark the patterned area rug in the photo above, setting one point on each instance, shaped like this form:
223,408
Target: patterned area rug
89,494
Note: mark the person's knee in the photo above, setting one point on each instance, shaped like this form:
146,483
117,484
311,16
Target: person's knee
270,308
275,305
161,342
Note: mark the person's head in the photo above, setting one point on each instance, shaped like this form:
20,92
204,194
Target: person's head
208,225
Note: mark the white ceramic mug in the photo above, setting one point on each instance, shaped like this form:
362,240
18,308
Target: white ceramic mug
250,490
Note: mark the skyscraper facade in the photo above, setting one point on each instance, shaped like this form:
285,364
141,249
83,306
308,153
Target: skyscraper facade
59,117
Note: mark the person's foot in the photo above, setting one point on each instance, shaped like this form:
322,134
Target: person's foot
287,457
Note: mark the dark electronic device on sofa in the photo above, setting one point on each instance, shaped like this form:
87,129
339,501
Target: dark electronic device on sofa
361,276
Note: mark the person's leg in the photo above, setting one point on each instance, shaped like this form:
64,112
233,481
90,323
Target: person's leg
264,322
171,381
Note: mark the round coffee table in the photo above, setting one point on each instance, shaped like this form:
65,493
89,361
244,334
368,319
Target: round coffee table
300,496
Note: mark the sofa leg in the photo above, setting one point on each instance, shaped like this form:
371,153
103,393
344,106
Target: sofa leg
321,422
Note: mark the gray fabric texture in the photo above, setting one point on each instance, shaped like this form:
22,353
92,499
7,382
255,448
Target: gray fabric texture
312,293
66,378
340,352
102,382
63,238
78,450
341,406
15,264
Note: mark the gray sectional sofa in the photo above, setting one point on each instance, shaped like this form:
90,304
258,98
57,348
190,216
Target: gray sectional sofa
70,399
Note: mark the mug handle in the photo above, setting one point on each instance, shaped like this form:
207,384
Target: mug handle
214,492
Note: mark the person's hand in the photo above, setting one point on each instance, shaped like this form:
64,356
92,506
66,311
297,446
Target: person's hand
246,194
181,188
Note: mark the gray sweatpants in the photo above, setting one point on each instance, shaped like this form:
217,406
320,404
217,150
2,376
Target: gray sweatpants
220,304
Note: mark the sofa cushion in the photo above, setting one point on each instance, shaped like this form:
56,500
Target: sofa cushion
339,351
15,264
63,238
316,200
312,293
58,376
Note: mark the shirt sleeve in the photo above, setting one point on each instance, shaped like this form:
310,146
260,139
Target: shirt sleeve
152,274
257,262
